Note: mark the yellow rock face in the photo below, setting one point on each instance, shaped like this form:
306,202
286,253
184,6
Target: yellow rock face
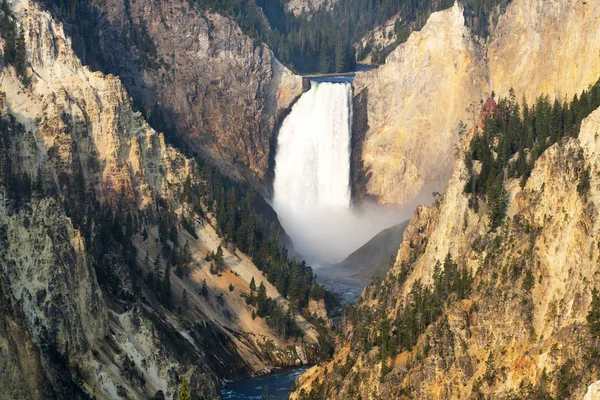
70,123
415,103
546,47
430,83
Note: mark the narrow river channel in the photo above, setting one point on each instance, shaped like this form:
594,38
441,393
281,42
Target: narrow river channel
278,386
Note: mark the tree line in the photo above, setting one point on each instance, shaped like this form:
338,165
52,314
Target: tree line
14,52
324,40
514,137
246,221
425,305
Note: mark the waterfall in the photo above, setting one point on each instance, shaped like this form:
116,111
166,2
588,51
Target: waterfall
313,154
312,170
312,179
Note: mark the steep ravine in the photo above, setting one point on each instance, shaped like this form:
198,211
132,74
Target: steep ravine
193,73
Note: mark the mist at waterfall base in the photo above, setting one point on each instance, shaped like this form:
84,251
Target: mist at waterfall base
312,179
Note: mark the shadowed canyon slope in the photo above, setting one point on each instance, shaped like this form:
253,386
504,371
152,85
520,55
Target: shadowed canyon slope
428,85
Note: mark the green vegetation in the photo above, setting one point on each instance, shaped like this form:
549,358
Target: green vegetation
324,41
528,281
566,380
593,317
146,53
14,51
583,187
281,321
87,21
184,393
244,219
424,306
513,138
108,230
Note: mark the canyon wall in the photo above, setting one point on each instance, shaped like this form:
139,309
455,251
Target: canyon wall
545,47
435,80
75,323
414,104
195,76
523,330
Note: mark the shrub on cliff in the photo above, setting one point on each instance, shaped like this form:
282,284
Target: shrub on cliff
593,317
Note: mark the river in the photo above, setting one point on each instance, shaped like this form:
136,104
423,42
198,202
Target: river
278,385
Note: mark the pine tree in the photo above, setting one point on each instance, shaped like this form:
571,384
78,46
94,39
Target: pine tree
219,260
340,56
324,59
184,300
497,202
593,318
187,254
173,235
261,300
583,187
38,186
204,289
185,260
184,393
166,285
157,275
252,285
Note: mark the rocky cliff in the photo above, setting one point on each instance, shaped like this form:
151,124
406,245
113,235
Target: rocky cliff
521,330
544,47
433,82
195,76
80,313
299,7
414,104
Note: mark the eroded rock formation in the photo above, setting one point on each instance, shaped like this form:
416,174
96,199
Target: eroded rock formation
523,330
433,82
196,76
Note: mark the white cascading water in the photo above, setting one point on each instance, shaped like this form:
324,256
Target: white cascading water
312,172
312,179
313,155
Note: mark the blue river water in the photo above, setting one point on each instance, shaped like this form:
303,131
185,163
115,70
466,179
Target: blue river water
278,385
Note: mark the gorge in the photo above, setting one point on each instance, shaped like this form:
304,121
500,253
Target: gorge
173,196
